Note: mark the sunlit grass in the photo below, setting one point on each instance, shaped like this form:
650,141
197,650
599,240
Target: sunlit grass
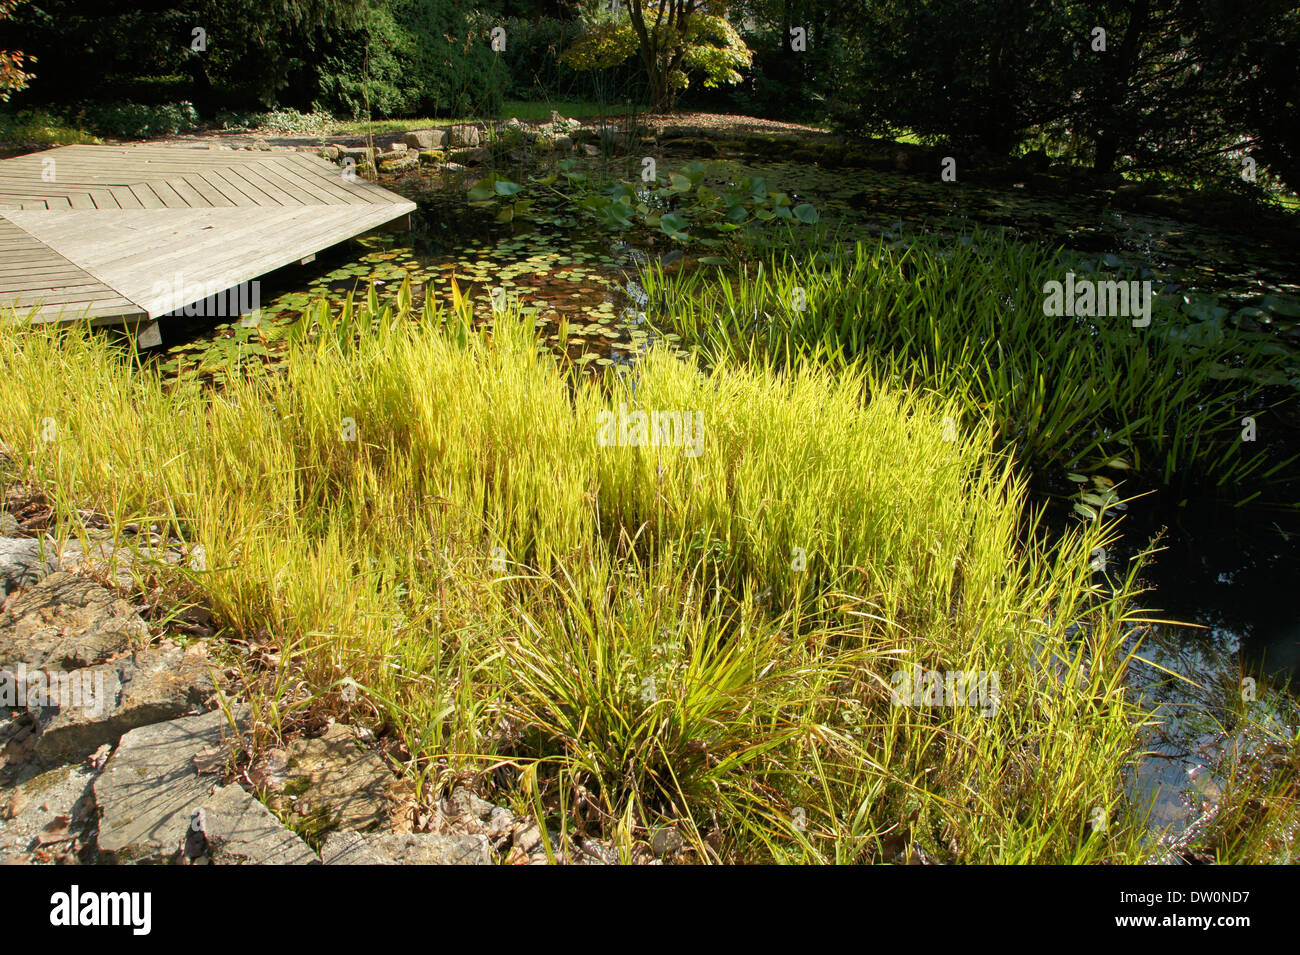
630,636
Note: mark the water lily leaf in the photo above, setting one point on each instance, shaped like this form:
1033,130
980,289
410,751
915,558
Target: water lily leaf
483,190
806,213
673,224
506,188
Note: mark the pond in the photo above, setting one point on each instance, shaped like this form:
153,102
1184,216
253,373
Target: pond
1226,578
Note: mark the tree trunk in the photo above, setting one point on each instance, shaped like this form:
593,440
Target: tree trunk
1109,135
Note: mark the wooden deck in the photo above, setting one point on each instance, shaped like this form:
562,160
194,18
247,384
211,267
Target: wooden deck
110,232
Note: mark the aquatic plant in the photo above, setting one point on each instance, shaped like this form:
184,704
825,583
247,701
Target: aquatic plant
966,318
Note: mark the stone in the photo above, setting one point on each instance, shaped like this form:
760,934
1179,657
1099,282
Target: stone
420,848
460,137
422,139
454,167
400,163
231,827
563,143
329,151
471,156
555,117
666,842
149,788
336,777
500,824
133,556
358,154
49,813
590,150
349,847
463,802
66,622
430,157
22,563
8,524
97,705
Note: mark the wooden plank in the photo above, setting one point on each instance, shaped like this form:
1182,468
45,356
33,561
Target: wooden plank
212,196
130,217
125,197
171,199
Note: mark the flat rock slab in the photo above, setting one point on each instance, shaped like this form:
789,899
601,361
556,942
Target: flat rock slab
336,776
66,622
232,828
420,848
45,818
97,705
150,787
22,563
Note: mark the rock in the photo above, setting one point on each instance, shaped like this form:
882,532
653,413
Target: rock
563,143
463,136
422,139
334,776
330,152
395,149
96,705
590,150
555,117
596,853
528,837
462,802
349,847
8,524
149,788
431,157
66,622
48,815
500,824
454,167
134,556
666,842
358,154
22,563
400,163
232,828
421,848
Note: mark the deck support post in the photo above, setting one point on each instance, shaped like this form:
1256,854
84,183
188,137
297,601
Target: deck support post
148,335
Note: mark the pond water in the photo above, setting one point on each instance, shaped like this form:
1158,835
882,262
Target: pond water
1227,575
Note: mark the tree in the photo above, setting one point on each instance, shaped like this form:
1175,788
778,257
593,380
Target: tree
12,75
976,72
673,39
